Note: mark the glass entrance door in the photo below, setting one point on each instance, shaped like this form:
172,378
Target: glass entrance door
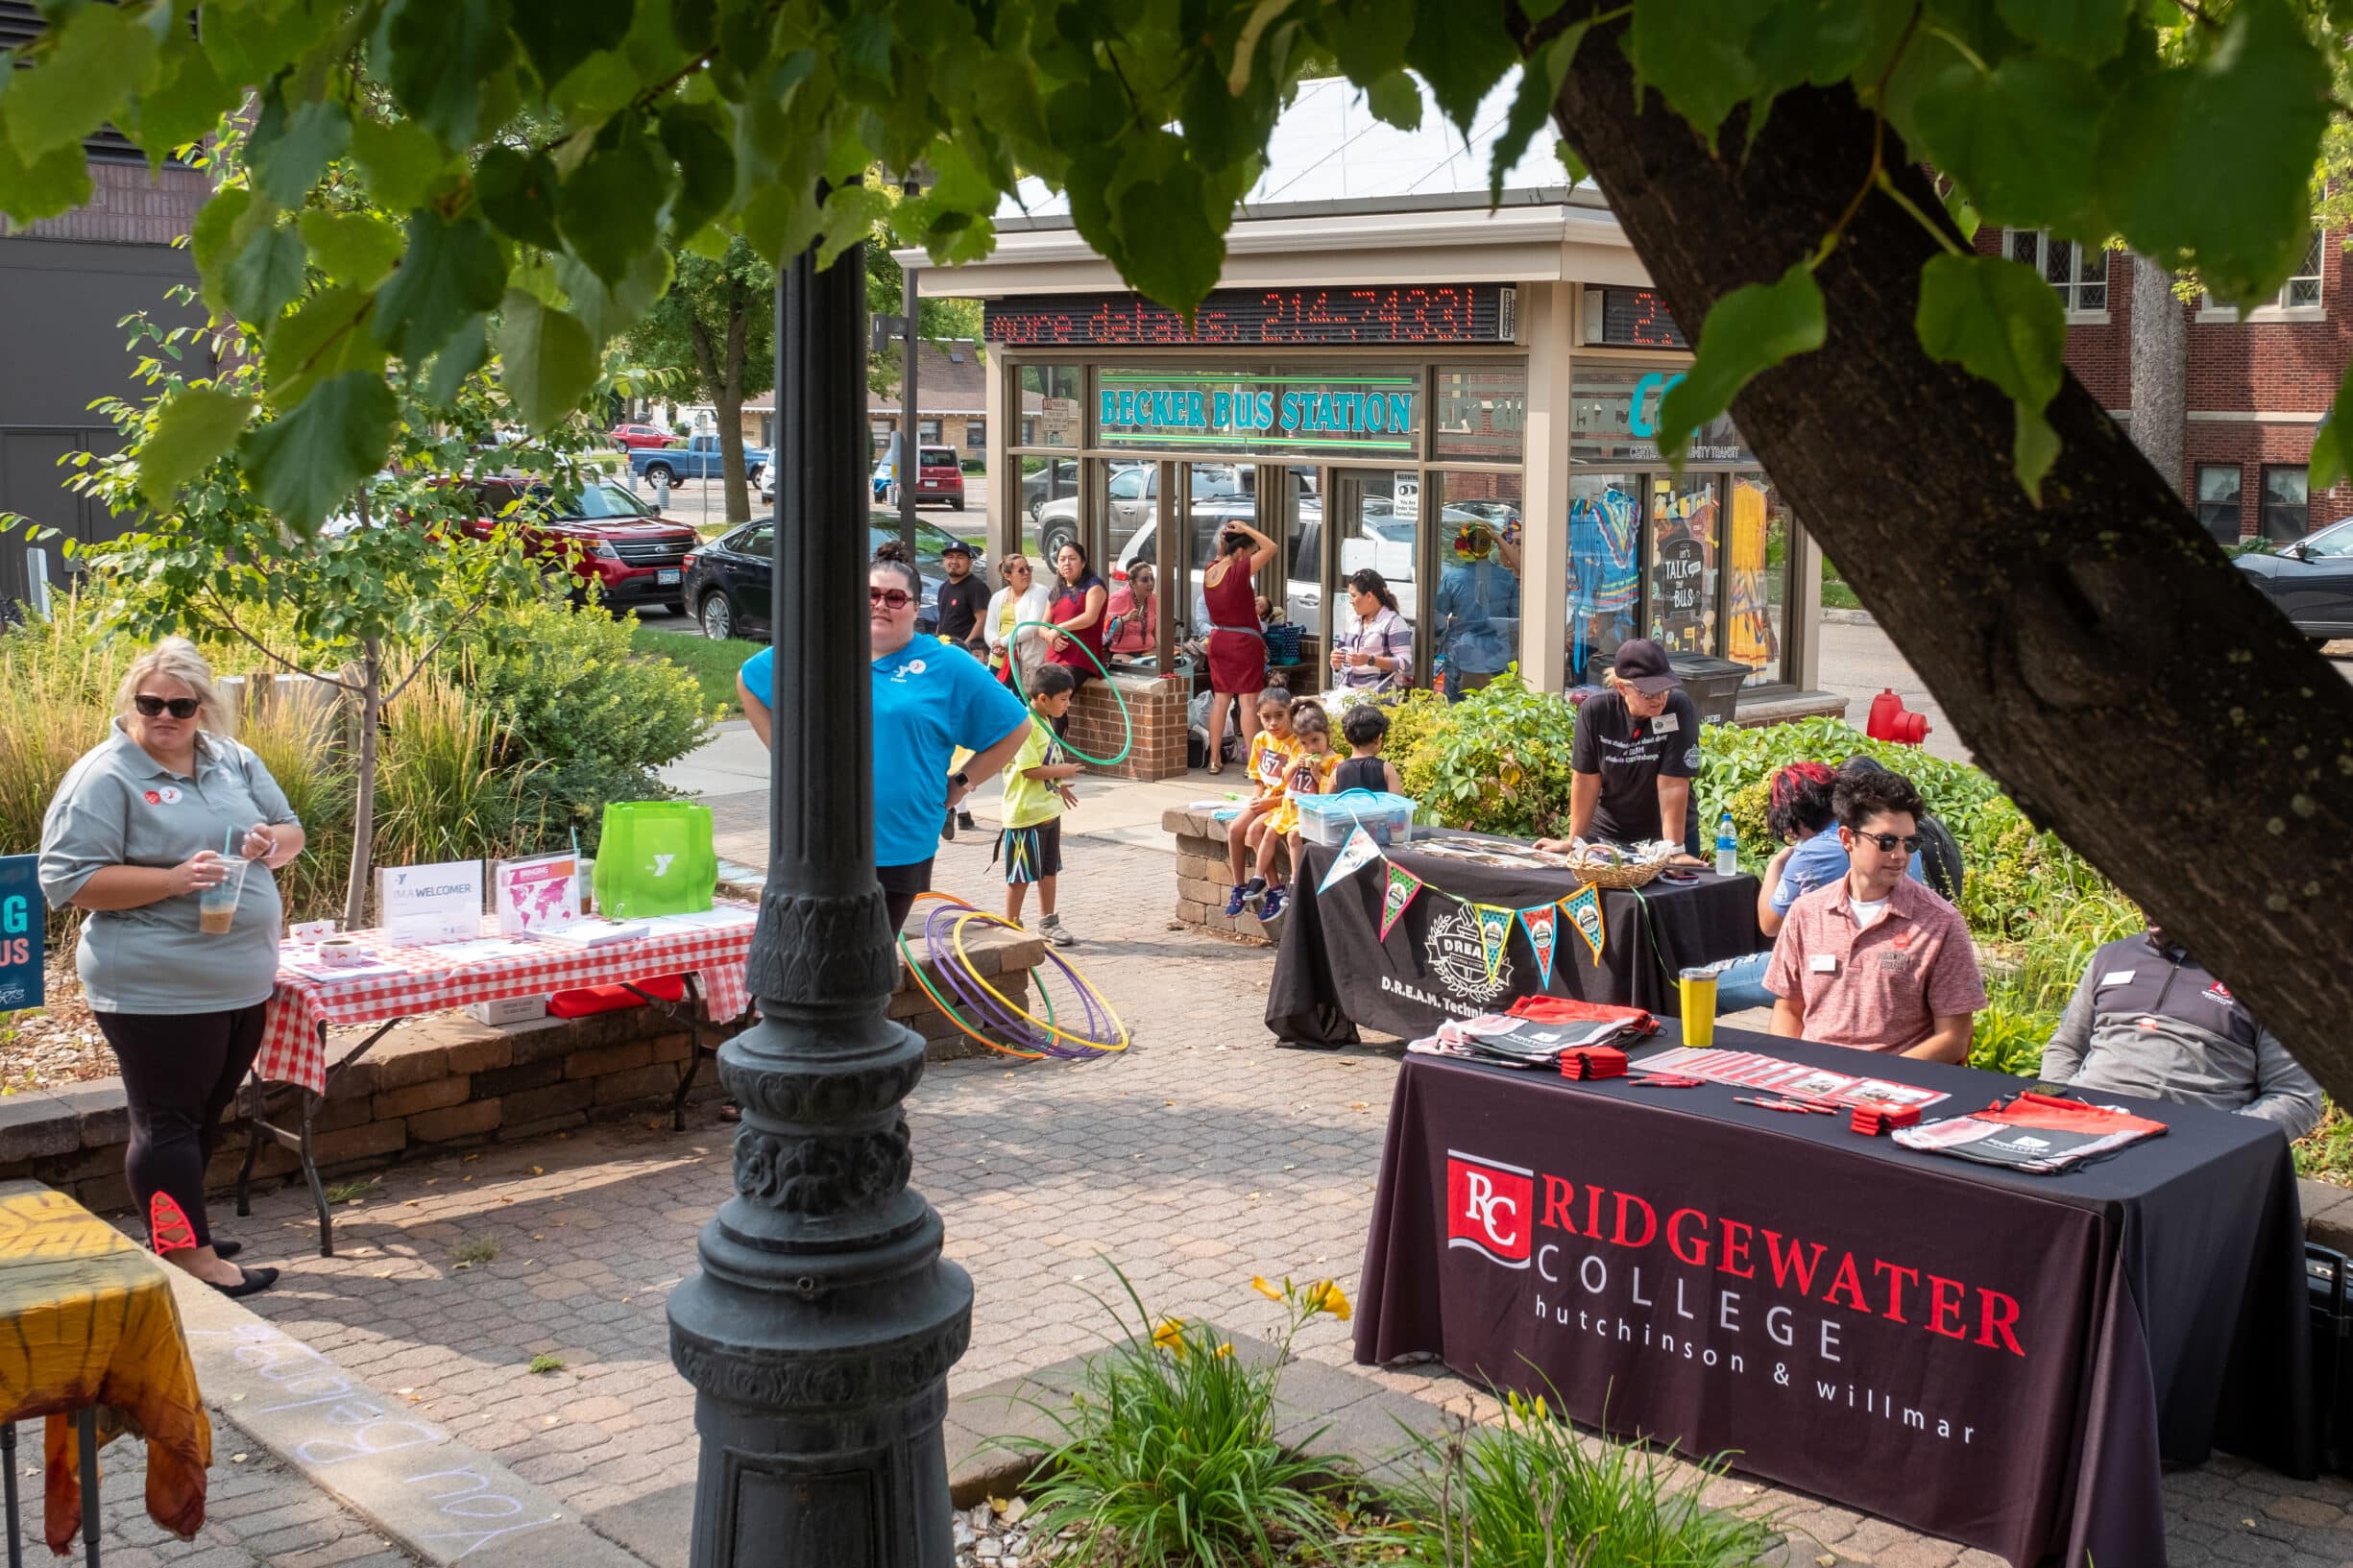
1375,515
1605,576
1682,563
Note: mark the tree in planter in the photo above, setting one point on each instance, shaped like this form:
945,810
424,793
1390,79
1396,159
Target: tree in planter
1909,395
718,325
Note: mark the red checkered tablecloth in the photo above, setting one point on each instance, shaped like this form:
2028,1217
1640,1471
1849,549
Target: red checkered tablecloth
431,981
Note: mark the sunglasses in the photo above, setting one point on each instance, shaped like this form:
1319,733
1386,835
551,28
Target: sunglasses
890,598
1887,842
156,707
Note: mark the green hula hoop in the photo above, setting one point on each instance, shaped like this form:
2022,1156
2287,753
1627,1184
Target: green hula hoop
1013,663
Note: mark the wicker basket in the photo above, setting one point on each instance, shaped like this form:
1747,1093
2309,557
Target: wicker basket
1618,877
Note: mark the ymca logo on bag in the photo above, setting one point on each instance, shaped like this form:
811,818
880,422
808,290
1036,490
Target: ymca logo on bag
1490,1208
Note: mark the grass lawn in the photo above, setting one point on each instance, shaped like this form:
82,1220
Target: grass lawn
1835,594
713,665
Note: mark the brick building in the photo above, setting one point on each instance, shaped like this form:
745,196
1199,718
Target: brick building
951,386
2257,387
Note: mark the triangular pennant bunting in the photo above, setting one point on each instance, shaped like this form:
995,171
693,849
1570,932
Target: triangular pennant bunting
1584,907
1494,935
1542,926
1354,856
1403,885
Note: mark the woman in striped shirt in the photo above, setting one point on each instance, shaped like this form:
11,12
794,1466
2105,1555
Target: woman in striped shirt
1378,654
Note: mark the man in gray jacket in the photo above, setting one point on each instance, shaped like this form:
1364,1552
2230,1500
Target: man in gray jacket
2149,1018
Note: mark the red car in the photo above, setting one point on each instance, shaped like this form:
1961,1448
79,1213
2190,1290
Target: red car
939,477
634,436
621,542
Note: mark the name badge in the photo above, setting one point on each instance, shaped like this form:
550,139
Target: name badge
2117,977
1823,963
1665,723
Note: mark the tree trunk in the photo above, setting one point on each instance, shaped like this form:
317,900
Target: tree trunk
2098,654
363,812
730,406
2160,372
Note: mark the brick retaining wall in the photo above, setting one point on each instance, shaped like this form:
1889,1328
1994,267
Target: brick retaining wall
1155,705
447,1081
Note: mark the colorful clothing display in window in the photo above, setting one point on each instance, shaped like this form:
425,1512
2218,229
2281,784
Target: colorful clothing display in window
1752,638
1605,581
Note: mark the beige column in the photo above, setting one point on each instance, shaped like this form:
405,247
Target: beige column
1803,663
1544,585
1003,409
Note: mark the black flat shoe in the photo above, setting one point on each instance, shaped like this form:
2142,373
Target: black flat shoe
226,1250
254,1282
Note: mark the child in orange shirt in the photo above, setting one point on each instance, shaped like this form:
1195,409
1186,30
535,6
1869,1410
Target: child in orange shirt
1312,764
1269,761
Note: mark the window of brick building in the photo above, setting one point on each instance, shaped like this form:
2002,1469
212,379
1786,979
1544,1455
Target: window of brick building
2286,512
2217,499
926,431
2078,272
2303,288
2303,292
976,434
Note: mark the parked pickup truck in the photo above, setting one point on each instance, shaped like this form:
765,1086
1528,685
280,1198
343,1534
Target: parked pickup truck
697,459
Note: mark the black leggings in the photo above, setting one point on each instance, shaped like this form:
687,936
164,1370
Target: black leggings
179,1073
900,885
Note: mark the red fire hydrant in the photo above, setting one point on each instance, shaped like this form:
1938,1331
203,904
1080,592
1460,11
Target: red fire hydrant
1891,720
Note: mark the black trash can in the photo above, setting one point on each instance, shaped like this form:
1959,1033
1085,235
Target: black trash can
1715,684
2327,1279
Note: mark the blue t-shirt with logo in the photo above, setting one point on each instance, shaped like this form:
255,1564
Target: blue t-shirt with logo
929,699
1817,862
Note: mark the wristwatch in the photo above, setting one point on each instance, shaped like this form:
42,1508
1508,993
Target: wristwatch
962,780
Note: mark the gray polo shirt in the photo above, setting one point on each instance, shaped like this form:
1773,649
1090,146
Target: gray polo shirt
119,806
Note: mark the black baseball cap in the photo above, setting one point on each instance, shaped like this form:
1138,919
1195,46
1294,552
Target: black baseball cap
955,547
1641,664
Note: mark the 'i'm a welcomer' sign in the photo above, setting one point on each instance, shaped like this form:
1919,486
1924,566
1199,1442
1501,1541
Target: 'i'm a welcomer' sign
20,932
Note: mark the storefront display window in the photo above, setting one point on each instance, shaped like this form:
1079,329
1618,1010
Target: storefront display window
1613,418
1053,412
1378,516
1482,411
1476,609
1367,410
1757,578
1684,540
1605,577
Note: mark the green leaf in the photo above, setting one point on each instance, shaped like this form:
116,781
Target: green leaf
516,190
2024,139
1396,98
186,101
41,187
1462,48
252,41
546,359
1694,53
195,426
2032,450
466,353
1540,88
96,57
1996,319
291,148
263,275
606,207
2332,443
1571,163
710,242
441,54
450,270
402,158
1367,38
306,462
2091,31
557,37
2214,161
609,311
321,338
1748,331
1817,41
693,137
851,215
354,247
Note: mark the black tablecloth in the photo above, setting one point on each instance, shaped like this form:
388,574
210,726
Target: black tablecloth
1994,1357
1334,971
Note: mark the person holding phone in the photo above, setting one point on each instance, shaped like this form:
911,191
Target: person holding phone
1377,652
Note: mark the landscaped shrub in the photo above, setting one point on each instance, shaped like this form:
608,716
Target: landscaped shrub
1497,761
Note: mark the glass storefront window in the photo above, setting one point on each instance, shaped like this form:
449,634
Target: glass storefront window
1613,418
1483,411
1369,410
1377,512
1684,540
1757,576
1475,612
1050,499
1052,410
1604,572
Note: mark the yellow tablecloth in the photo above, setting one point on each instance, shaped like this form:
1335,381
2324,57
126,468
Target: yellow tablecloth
86,1317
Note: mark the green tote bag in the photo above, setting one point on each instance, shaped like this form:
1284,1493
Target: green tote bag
656,860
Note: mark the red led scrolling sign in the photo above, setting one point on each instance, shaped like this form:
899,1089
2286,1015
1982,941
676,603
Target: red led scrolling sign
1382,314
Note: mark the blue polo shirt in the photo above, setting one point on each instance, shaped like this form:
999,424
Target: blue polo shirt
1817,862
929,699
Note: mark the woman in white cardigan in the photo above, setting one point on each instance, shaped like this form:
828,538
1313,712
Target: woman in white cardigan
1017,601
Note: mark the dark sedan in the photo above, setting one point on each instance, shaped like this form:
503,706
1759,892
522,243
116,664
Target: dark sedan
2310,579
727,582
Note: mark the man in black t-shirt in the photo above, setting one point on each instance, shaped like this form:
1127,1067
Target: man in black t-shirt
962,597
1637,751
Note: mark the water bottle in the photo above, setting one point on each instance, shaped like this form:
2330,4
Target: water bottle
1437,675
1727,848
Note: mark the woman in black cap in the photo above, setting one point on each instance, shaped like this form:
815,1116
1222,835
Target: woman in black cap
1635,755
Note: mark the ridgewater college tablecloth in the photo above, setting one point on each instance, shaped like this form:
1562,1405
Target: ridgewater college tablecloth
1334,970
1997,1359
432,981
87,1317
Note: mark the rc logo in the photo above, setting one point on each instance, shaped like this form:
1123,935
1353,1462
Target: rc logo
1490,1208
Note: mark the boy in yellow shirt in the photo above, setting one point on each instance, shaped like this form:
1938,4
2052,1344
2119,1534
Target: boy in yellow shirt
1036,793
1271,750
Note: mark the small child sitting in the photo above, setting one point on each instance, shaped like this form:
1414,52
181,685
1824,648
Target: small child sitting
1311,767
1269,761
1366,731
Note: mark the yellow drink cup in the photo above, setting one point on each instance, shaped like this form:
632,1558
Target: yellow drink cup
1698,987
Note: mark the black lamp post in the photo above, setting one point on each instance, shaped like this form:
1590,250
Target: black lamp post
819,1333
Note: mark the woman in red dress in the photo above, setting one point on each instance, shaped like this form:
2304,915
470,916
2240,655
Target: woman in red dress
1237,646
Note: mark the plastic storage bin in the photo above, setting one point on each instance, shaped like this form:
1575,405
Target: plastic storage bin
1329,819
1715,684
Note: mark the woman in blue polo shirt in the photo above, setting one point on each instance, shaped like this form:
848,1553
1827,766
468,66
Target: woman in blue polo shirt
929,699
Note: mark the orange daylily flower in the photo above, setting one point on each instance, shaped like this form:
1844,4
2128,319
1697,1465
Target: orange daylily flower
1325,1295
1259,1283
1170,1334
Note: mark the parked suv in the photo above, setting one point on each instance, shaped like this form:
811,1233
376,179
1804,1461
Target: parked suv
730,582
939,474
621,543
634,436
2310,579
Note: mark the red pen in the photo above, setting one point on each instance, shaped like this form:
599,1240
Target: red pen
1770,1105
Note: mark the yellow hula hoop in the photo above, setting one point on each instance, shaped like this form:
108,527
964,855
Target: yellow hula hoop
948,1007
957,931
